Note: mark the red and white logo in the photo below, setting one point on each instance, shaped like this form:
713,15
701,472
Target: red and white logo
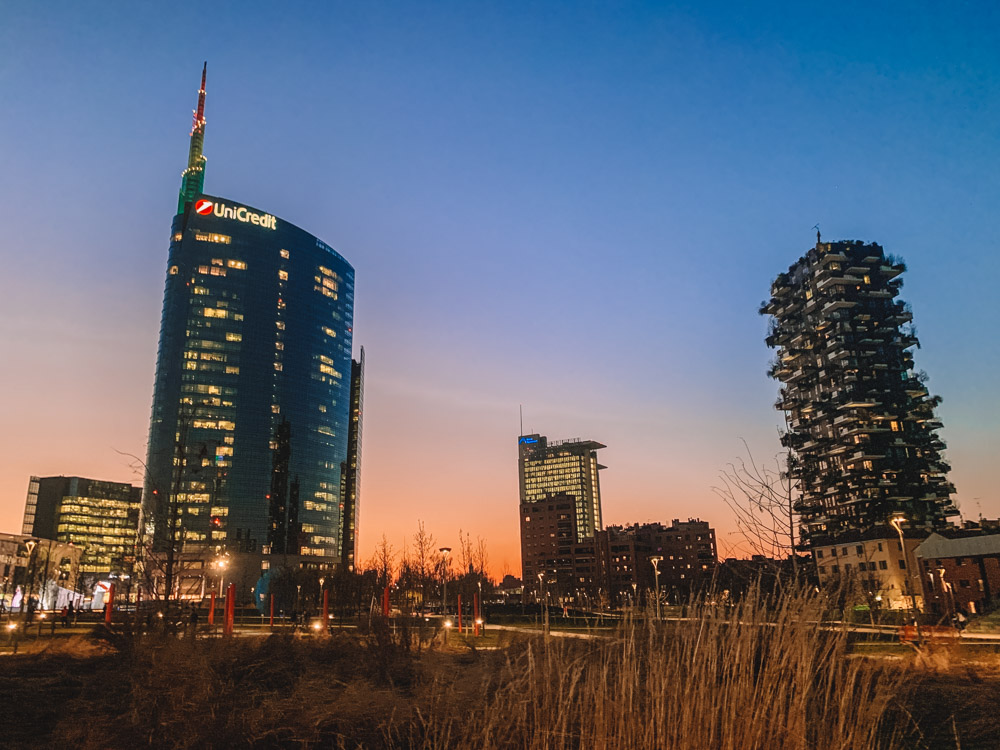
203,207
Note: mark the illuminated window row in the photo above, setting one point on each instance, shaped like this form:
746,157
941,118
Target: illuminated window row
221,239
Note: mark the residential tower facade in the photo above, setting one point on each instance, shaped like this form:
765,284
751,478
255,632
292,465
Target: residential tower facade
861,426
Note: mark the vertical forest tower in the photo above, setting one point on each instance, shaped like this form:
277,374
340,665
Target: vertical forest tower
861,428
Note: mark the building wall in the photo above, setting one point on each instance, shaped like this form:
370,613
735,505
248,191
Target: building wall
604,567
37,566
352,470
961,584
100,518
252,394
688,549
567,467
861,423
548,535
879,565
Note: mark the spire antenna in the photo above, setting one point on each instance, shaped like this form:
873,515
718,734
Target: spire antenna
193,177
199,115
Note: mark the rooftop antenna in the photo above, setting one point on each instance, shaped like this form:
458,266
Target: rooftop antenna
193,177
520,411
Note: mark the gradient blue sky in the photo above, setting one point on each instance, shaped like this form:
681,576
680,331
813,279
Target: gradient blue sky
575,207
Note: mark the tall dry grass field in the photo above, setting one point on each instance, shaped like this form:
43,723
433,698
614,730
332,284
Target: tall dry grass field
763,675
749,677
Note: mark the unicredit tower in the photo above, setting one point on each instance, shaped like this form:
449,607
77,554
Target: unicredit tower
249,436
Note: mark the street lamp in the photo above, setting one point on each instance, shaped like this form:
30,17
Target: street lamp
948,592
221,563
896,522
30,544
544,603
655,559
444,575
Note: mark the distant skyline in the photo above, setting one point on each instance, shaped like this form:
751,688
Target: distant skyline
574,209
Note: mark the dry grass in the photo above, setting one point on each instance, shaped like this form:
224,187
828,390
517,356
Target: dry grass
756,676
752,677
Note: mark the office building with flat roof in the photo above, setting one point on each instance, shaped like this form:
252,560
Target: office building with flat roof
562,467
100,518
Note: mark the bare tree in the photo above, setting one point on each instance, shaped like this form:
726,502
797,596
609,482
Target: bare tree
761,497
383,562
480,557
465,555
423,557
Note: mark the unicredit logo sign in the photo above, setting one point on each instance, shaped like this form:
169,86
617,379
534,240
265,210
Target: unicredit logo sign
240,213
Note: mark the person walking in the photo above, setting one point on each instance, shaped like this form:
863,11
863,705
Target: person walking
193,622
65,616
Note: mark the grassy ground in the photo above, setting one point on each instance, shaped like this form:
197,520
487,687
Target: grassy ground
770,683
989,623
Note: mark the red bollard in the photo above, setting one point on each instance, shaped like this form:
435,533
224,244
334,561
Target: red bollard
109,605
459,613
475,612
230,609
211,611
385,602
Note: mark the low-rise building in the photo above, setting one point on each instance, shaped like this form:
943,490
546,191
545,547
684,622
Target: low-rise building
877,561
44,570
612,567
960,574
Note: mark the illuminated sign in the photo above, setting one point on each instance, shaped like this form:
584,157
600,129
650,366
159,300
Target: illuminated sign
240,213
527,440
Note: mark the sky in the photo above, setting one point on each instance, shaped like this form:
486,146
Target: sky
570,208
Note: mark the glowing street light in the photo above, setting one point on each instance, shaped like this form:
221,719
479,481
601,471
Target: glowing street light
896,521
26,600
545,609
655,559
444,574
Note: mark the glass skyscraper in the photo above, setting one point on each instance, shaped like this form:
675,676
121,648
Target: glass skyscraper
562,468
248,440
101,518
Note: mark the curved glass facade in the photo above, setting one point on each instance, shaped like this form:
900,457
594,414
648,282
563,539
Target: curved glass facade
249,431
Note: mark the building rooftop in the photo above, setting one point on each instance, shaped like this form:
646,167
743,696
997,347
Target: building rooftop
937,545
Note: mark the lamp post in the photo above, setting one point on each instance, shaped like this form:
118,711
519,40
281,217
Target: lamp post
545,609
896,522
479,607
30,587
221,563
655,559
444,576
948,592
635,593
